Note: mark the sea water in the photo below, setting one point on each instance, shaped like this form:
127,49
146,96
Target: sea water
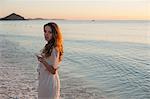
105,59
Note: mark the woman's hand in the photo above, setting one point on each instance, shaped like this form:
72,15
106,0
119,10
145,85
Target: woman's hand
41,58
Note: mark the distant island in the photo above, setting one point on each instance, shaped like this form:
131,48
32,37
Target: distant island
15,16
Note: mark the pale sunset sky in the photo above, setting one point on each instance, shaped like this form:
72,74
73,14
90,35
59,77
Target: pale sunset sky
78,9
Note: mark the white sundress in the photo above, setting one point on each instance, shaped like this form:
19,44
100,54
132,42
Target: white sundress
49,84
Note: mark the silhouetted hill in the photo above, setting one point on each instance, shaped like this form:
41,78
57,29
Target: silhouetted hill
13,16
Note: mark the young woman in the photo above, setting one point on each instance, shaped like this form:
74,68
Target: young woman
50,57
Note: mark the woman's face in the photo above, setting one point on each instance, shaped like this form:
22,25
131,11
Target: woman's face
48,33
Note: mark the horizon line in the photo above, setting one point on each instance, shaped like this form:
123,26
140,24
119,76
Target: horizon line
41,18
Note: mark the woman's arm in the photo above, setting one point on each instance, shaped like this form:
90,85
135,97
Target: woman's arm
50,68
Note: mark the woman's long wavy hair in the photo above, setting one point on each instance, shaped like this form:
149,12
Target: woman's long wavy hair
55,42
